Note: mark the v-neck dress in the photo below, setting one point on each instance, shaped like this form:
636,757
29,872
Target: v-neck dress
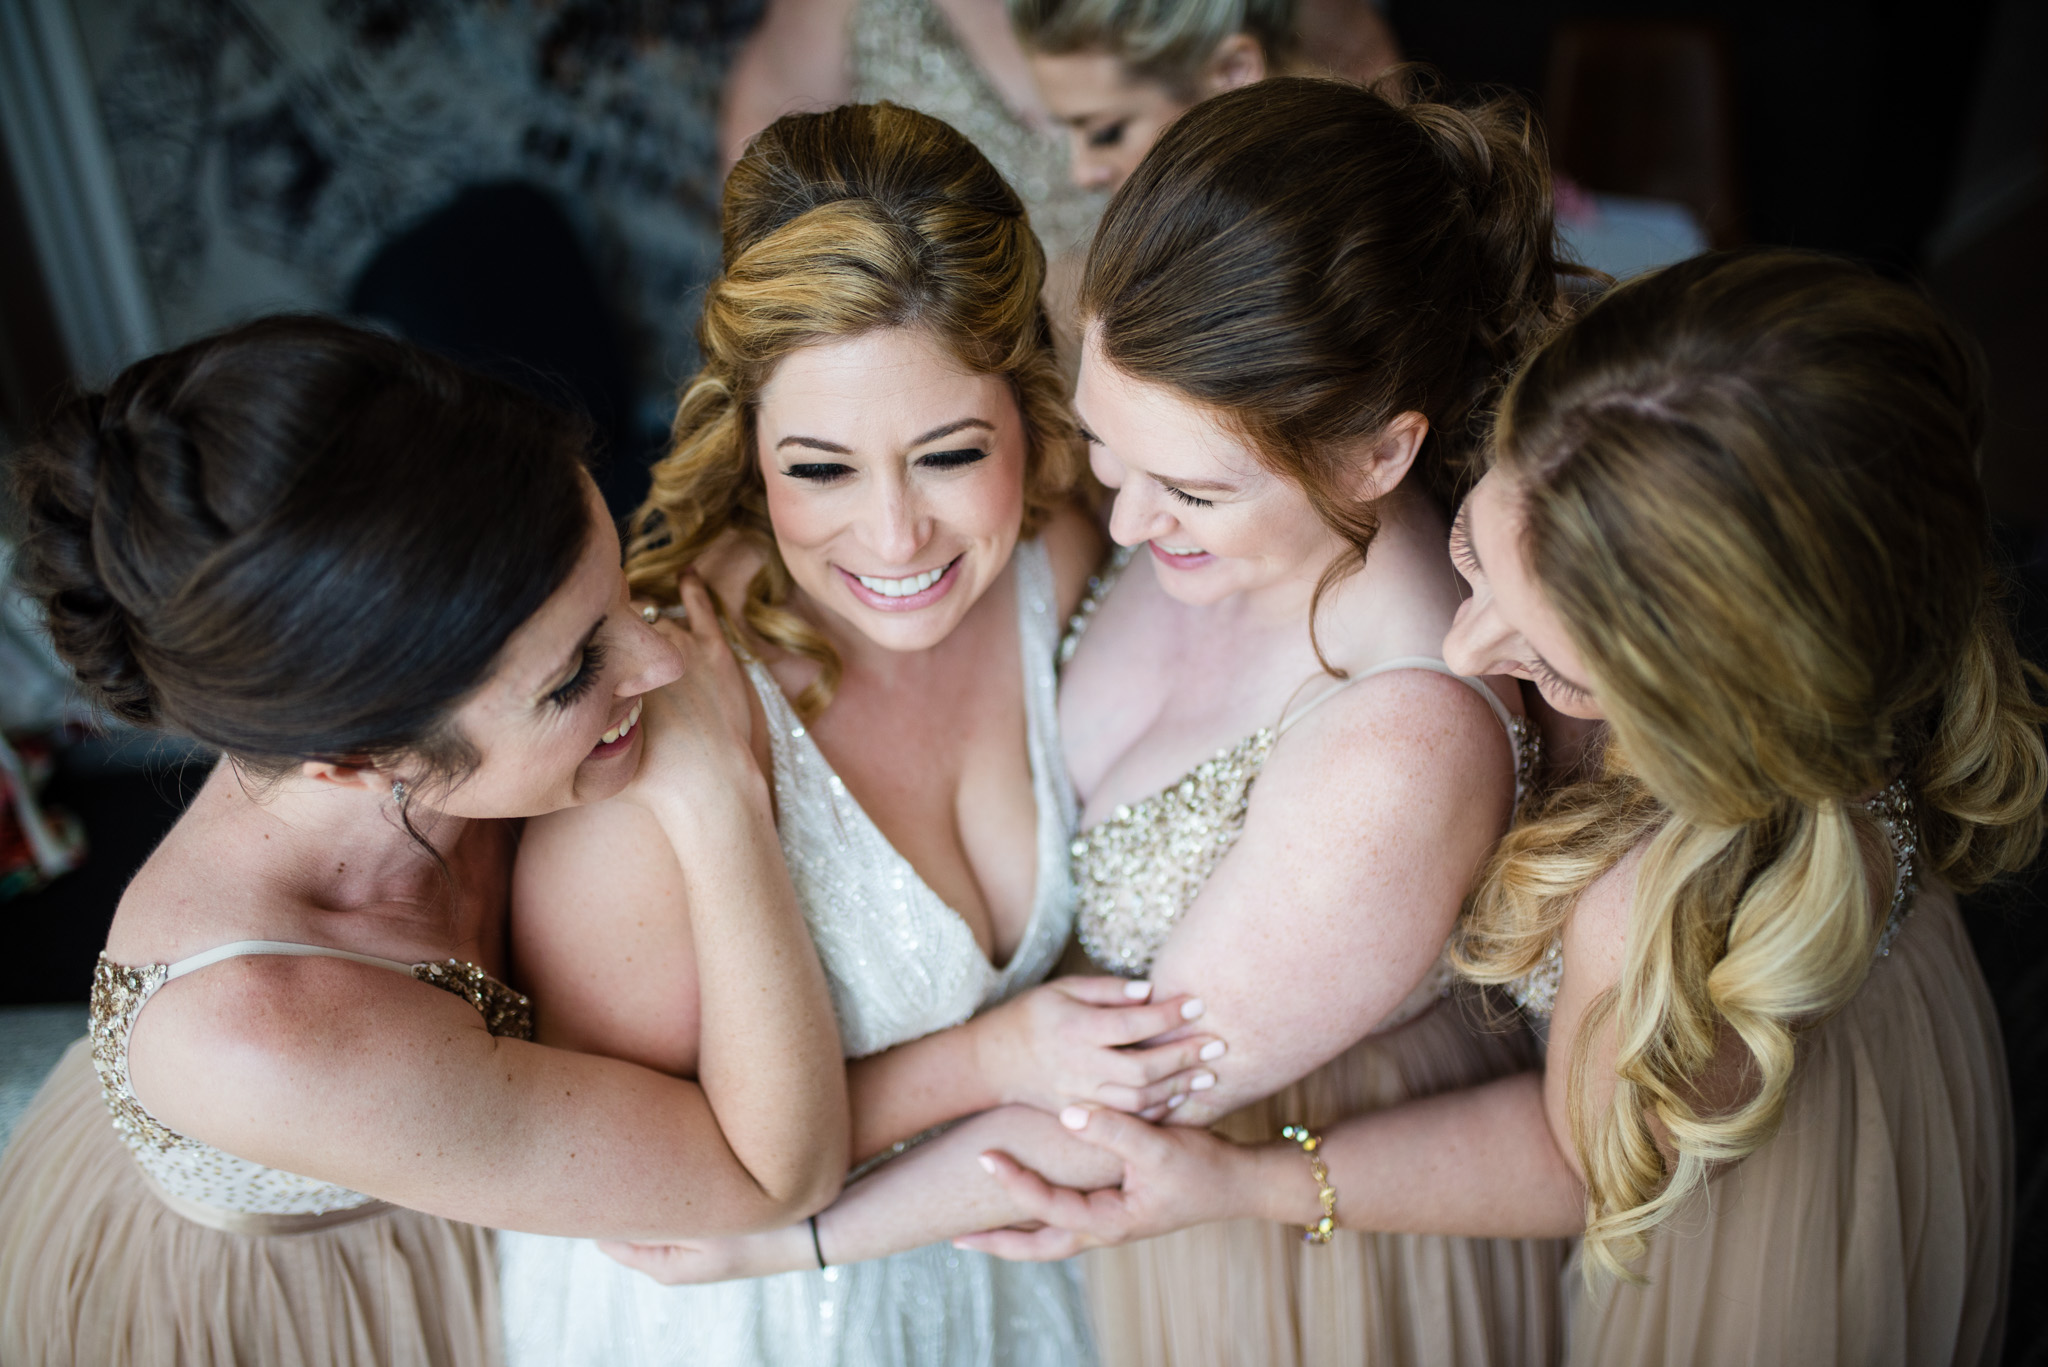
901,964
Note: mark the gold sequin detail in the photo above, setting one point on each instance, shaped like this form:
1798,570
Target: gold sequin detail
1138,870
118,992
201,1173
507,1014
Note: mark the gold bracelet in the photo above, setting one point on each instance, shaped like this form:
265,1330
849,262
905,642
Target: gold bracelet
1311,1144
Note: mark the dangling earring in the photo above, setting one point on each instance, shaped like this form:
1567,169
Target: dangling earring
398,791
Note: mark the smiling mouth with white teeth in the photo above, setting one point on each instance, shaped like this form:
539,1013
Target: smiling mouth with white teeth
624,728
903,588
1178,550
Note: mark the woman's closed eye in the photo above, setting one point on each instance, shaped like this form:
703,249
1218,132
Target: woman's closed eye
953,460
1185,497
1461,548
1556,682
818,472
583,680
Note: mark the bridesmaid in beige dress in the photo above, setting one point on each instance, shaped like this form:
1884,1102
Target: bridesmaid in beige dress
386,589
1735,514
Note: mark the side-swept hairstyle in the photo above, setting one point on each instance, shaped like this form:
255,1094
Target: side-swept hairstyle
837,224
1310,259
1750,490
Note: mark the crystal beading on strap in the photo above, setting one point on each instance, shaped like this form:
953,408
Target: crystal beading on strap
203,1175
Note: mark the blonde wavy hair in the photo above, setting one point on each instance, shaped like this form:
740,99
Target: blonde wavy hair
1750,490
836,224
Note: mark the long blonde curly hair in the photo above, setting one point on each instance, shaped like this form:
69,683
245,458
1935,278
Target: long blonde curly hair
1750,490
837,224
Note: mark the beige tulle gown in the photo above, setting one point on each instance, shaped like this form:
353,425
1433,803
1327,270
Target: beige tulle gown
1247,1292
1875,1228
123,1242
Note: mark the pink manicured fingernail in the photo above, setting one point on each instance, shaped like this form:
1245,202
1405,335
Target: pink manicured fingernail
1175,1100
1201,1082
1212,1051
988,1165
1191,1008
1074,1118
1138,991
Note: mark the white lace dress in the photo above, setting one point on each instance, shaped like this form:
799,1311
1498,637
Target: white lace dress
901,964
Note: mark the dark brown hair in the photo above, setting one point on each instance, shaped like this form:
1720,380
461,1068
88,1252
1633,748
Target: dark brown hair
837,224
299,540
1311,258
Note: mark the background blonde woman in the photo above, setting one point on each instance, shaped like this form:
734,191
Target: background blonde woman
1735,514
1115,73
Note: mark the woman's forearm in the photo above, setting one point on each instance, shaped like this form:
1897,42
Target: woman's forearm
939,1190
1480,1162
768,1053
904,1091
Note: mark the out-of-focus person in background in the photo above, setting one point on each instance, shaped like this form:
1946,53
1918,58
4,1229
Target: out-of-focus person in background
1115,73
957,60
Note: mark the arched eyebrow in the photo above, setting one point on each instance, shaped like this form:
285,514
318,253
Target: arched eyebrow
946,429
957,425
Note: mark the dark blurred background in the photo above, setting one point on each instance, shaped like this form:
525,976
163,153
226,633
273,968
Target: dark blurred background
532,185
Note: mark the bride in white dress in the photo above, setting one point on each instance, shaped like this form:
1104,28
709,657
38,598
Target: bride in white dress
874,473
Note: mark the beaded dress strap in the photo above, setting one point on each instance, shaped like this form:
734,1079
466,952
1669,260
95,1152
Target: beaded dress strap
1099,585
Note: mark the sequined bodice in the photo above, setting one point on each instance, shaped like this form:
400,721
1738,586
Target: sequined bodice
1138,870
904,50
200,1173
1536,991
899,961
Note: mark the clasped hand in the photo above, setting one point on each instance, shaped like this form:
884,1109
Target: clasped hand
1095,1039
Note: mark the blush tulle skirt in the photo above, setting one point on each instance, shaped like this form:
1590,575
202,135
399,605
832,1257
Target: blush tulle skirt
1245,1291
95,1271
1875,1227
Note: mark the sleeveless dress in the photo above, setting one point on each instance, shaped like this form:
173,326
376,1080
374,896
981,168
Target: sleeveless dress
129,1243
901,964
1875,1228
905,50
1247,1291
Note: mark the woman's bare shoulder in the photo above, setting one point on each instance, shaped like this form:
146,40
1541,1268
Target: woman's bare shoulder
1075,545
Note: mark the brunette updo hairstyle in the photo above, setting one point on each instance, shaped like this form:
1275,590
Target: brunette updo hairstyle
298,540
1310,259
837,224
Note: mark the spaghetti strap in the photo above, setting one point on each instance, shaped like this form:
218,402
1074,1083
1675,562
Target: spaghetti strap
237,948
1428,662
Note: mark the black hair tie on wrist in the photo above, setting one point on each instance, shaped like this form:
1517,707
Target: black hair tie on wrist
816,1247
